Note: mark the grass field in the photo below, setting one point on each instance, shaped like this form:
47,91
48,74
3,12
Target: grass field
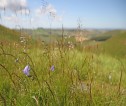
36,73
116,45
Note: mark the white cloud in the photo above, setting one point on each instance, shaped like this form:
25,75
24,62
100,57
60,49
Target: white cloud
24,11
39,12
44,10
13,5
3,3
12,18
39,16
50,10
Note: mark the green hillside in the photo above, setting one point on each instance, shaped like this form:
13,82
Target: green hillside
116,45
7,34
43,34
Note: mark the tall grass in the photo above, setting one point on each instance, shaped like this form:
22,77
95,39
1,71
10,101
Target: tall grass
79,77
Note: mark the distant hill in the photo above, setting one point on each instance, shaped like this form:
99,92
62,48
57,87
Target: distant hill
7,34
44,34
104,35
116,45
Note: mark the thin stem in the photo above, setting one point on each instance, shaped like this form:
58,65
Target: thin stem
8,73
4,100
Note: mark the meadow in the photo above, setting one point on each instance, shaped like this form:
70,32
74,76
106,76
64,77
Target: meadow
63,72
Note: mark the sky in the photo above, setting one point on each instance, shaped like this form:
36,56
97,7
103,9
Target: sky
98,14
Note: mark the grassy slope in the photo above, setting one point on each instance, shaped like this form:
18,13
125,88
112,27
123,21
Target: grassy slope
116,45
7,34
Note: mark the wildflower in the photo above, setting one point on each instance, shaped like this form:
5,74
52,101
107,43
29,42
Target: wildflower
52,68
27,70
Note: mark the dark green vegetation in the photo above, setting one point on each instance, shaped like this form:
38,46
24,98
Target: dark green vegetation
84,75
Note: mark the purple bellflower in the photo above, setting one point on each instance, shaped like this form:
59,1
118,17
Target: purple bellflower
27,70
52,68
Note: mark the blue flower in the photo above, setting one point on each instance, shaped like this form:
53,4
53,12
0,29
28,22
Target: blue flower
27,70
52,68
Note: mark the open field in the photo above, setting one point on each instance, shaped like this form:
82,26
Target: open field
63,72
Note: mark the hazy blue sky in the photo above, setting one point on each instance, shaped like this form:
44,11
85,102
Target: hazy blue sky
93,13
